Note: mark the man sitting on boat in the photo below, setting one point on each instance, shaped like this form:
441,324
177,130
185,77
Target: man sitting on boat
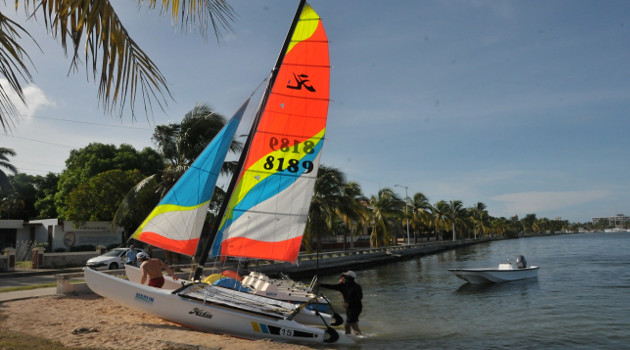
153,269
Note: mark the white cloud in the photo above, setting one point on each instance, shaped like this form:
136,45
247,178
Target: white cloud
536,202
35,99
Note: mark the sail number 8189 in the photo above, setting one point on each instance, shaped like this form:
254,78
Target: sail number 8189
289,164
292,165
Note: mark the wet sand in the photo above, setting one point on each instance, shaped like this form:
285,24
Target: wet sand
90,321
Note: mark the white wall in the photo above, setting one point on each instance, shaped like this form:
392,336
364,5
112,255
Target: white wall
66,235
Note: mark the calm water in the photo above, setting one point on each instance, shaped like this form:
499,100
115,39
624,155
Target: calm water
580,300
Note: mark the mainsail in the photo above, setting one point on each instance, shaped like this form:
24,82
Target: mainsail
267,212
177,221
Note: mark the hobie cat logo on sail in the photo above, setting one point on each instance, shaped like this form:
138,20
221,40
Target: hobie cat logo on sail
301,80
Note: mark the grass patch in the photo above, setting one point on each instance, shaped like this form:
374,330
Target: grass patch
24,264
34,286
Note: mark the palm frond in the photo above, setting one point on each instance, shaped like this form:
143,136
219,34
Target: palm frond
14,63
127,75
137,202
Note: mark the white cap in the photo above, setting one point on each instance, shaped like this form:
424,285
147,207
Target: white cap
350,274
142,256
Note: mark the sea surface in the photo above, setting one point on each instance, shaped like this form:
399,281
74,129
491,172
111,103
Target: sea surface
580,300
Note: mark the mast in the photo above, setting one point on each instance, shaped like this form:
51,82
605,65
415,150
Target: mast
206,240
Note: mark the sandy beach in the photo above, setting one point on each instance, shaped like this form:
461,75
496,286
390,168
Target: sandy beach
90,321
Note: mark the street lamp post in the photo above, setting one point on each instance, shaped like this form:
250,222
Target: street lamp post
406,218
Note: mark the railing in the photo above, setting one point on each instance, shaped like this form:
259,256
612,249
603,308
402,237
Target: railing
367,251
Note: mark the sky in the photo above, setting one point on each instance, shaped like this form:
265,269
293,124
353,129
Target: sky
520,105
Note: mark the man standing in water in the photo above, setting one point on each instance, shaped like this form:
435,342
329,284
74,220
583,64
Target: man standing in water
153,269
352,295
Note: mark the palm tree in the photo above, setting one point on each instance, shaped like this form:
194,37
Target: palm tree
384,207
479,217
5,185
327,197
353,211
528,223
454,214
125,70
439,215
421,214
335,206
179,144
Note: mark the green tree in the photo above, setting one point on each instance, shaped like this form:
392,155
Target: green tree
98,198
384,208
335,207
26,196
455,215
353,211
515,227
96,35
46,187
439,215
421,214
479,217
22,198
528,223
96,158
180,144
327,196
5,164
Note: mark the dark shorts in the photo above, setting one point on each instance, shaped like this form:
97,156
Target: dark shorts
156,282
352,314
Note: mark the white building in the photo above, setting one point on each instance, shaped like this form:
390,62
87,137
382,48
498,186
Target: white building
618,220
57,234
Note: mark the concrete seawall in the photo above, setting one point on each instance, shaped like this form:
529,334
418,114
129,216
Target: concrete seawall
337,261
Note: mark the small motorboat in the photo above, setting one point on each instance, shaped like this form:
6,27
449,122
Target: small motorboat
508,271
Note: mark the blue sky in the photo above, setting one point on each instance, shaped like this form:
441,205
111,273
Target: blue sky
521,105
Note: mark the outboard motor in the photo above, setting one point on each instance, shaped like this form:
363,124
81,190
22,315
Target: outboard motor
521,263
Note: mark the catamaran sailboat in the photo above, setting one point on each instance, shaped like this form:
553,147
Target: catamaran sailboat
266,209
257,283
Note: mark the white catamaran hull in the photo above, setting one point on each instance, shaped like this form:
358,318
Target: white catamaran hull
494,275
257,284
209,315
305,316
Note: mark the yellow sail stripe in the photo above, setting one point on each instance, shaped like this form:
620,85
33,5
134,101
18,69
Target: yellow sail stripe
309,20
162,209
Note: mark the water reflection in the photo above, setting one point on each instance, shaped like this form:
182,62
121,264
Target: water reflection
507,287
